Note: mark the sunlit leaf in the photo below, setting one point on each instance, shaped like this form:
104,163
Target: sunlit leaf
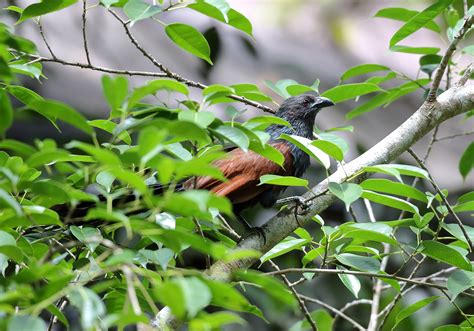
189,39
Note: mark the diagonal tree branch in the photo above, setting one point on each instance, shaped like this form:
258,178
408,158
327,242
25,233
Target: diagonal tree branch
455,101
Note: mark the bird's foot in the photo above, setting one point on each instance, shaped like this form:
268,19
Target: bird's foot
296,200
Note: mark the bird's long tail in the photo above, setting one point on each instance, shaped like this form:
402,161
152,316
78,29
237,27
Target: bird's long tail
80,210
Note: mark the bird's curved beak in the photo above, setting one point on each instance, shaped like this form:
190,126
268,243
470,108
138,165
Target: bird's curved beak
322,102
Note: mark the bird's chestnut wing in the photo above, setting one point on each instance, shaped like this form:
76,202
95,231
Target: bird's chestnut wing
243,171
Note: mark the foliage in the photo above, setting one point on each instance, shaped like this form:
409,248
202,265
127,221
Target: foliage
120,256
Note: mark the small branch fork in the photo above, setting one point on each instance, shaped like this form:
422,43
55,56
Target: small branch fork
443,197
469,21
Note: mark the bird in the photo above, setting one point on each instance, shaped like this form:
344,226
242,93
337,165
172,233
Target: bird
243,169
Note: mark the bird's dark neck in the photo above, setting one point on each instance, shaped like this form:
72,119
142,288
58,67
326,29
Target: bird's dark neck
302,127
299,127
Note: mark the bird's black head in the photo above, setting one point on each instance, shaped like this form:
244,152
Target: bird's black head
303,107
300,111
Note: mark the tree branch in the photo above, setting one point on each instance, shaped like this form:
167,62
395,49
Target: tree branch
469,21
168,73
455,101
443,197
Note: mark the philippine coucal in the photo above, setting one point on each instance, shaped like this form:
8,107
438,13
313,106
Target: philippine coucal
243,169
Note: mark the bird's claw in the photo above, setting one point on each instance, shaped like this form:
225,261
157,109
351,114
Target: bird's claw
296,200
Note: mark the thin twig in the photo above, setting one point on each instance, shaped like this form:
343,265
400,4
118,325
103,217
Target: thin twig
467,73
132,294
355,273
44,39
177,77
455,136
446,58
377,288
84,36
102,69
301,303
443,197
458,308
334,310
427,154
350,305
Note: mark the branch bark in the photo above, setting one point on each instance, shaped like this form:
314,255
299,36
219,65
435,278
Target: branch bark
454,101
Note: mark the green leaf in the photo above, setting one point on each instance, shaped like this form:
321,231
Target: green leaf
26,323
286,245
429,63
363,263
91,237
239,21
44,7
102,155
419,20
189,39
112,128
115,90
297,89
388,186
345,92
23,94
321,318
468,50
422,221
404,15
466,206
226,296
397,170
408,311
105,179
273,287
218,10
8,247
234,135
268,120
351,282
268,152
347,192
459,281
137,10
445,253
469,196
6,112
386,97
362,69
305,145
250,91
202,118
8,201
456,231
466,163
280,86
55,110
329,148
390,201
414,50
196,294
153,87
283,180
89,304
